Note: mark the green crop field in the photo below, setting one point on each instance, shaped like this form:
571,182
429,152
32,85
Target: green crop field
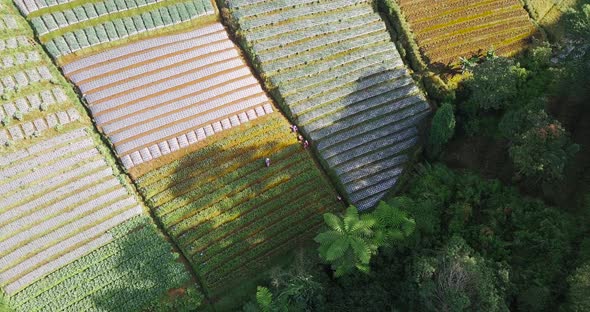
228,212
335,71
73,233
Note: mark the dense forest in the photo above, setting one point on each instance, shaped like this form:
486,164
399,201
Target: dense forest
494,216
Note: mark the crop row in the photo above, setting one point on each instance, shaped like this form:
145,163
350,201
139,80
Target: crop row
87,63
97,280
294,12
51,227
255,257
446,31
174,196
151,102
258,264
337,83
73,235
66,29
258,218
166,178
223,194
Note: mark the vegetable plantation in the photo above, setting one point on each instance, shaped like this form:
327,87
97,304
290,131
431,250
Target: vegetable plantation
186,115
447,30
334,69
73,234
228,212
157,96
68,26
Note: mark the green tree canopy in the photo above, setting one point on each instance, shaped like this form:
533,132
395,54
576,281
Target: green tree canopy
352,240
540,145
349,243
442,128
458,279
579,291
495,84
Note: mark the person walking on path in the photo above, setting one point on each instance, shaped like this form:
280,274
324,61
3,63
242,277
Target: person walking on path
305,144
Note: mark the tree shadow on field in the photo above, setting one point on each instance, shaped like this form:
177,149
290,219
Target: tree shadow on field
222,184
150,277
385,107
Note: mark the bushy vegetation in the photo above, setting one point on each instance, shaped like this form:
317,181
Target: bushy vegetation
480,244
508,98
476,247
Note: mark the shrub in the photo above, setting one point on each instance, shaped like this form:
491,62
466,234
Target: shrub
442,128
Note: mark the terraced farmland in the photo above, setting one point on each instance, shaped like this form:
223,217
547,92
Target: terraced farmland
448,30
334,69
159,95
228,212
73,234
193,125
66,27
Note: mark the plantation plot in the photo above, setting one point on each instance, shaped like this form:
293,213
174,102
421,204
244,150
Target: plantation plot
230,213
335,70
448,30
68,26
157,96
73,235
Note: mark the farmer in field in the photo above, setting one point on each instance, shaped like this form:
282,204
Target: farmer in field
267,162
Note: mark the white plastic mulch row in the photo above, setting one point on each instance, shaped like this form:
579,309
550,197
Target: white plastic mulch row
33,128
195,68
185,110
104,117
19,58
27,199
136,47
126,64
188,122
72,185
22,79
33,102
207,94
14,42
61,212
8,22
167,84
153,97
193,136
35,268
196,55
59,198
41,146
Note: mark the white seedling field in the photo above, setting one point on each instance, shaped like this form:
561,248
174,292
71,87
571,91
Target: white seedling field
154,97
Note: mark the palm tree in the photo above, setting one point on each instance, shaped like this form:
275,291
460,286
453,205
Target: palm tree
349,243
393,224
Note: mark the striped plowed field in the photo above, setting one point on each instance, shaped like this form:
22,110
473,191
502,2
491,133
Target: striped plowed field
227,211
73,235
448,30
66,27
336,72
156,96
